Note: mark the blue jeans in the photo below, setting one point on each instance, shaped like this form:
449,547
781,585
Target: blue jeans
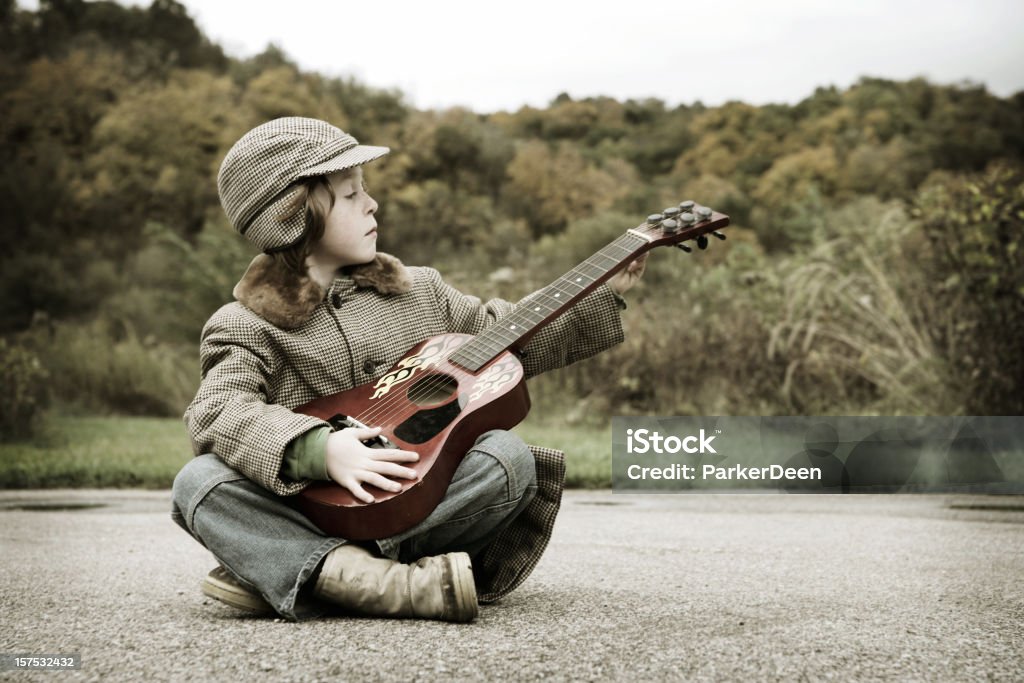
273,549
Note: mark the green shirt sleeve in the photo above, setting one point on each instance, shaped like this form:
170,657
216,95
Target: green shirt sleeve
306,456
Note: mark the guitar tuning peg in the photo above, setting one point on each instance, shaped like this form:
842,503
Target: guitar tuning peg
684,247
687,218
719,235
670,212
655,218
686,206
703,213
670,225
702,242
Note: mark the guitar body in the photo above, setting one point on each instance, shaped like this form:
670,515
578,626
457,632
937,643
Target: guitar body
425,404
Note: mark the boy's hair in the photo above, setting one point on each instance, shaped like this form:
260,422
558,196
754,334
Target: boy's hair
294,257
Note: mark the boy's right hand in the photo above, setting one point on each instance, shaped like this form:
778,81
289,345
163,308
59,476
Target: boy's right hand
350,463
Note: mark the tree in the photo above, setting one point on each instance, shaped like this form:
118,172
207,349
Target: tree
155,156
791,196
46,134
283,91
552,188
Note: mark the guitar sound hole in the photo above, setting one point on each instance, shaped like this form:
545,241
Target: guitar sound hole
432,390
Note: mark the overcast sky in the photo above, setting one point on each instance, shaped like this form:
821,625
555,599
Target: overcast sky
491,56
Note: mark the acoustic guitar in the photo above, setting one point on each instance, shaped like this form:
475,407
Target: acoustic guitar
451,388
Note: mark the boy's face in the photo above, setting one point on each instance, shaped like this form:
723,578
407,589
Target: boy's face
350,230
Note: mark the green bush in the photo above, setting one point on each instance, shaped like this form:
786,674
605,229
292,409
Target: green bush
171,286
105,367
975,224
23,379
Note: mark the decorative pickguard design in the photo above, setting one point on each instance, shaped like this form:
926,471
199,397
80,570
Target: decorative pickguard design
429,356
495,377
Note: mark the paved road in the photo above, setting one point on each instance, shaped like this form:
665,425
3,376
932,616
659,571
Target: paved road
762,587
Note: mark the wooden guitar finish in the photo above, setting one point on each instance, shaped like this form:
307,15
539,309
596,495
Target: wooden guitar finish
437,410
449,389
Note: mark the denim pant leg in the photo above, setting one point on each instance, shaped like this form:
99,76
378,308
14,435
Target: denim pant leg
263,542
273,549
495,481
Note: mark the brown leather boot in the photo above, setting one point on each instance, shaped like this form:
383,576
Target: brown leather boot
431,588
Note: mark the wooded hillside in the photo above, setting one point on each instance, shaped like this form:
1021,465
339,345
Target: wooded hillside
874,263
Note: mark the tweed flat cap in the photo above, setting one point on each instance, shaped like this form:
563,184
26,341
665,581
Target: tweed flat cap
257,178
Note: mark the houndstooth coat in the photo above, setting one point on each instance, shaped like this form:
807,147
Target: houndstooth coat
286,341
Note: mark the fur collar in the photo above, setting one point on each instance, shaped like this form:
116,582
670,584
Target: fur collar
286,299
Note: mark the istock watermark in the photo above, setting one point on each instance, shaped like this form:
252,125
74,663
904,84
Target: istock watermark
648,441
818,454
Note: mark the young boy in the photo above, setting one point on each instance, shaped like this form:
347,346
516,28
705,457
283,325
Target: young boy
321,311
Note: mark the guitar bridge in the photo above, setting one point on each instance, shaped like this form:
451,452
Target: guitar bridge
339,422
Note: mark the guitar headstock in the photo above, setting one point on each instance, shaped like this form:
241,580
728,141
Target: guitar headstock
676,225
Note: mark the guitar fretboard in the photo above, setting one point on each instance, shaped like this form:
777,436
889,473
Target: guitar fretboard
515,329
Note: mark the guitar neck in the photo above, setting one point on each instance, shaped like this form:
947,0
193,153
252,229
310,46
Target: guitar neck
515,330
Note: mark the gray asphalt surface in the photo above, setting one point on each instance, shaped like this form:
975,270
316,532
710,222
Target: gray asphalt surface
690,587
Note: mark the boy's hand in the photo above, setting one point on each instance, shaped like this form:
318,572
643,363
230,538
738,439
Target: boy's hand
351,464
623,280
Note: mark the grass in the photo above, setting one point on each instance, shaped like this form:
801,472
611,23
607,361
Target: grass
84,452
588,450
145,452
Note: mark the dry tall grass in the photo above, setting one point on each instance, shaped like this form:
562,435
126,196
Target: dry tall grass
853,326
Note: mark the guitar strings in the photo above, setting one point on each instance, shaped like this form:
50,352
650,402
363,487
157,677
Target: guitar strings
383,410
488,333
393,405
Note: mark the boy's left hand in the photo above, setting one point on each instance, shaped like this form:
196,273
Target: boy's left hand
623,280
